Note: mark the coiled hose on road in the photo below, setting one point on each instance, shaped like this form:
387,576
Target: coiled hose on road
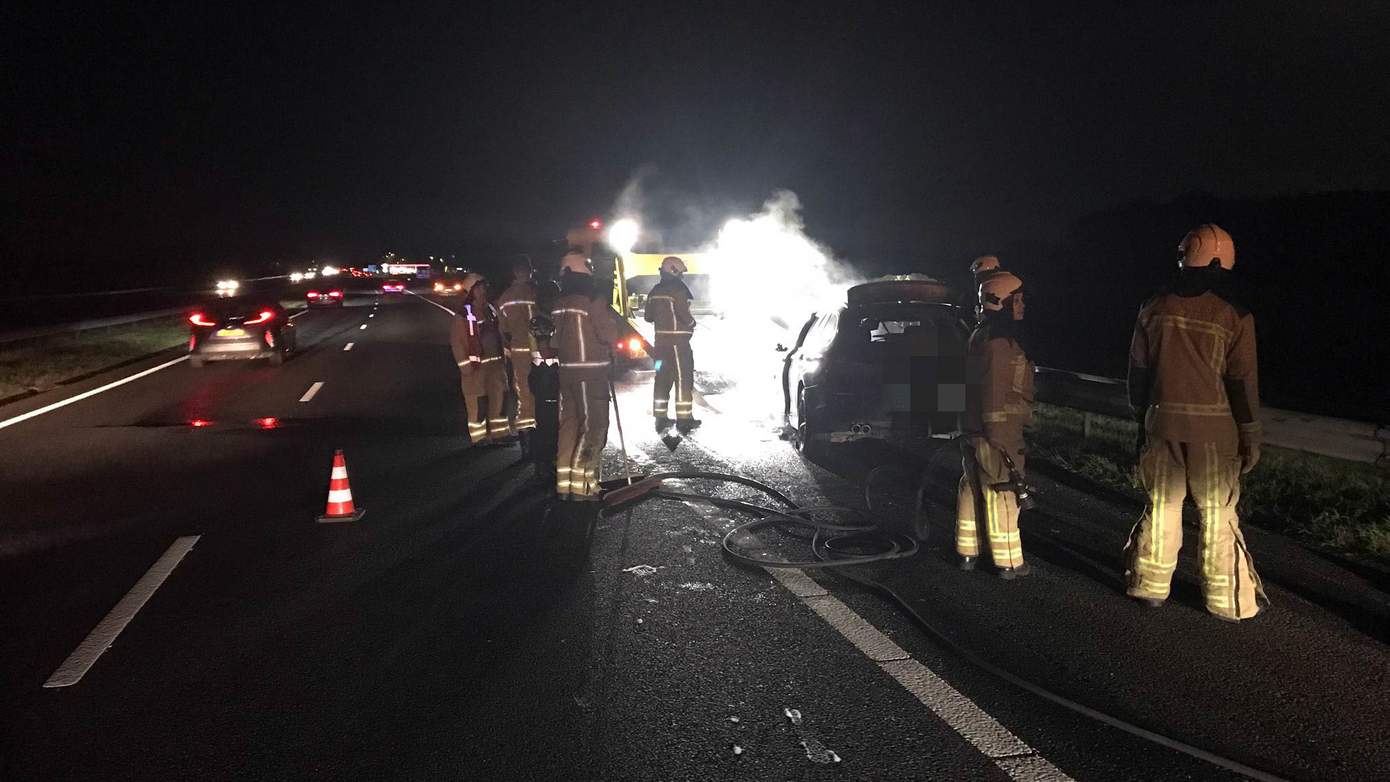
840,546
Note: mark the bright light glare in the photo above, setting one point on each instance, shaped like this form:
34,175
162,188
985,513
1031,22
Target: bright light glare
329,271
622,235
199,423
310,275
766,278
296,276
268,423
228,285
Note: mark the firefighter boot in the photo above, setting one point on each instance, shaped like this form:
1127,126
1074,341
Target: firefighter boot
663,424
684,425
1010,573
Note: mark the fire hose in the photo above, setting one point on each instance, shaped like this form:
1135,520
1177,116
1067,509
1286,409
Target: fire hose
840,546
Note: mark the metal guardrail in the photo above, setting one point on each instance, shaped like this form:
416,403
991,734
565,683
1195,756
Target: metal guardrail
20,335
1358,441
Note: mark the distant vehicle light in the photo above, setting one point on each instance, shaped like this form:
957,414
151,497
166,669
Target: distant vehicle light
312,294
634,345
228,285
596,224
439,286
296,276
458,286
261,317
336,294
268,423
329,271
199,423
200,319
310,275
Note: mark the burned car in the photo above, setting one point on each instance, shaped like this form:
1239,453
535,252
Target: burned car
889,365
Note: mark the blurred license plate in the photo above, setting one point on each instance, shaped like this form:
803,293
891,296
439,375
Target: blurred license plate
231,332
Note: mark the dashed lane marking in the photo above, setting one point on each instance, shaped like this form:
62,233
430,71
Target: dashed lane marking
297,314
1011,754
373,315
363,327
85,394
349,345
314,389
104,634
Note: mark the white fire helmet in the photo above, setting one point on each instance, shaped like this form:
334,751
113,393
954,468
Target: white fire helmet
575,262
673,265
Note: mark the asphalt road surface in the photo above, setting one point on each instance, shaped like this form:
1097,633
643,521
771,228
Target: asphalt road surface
173,579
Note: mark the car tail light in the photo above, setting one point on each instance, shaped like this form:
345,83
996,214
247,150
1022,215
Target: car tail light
634,346
201,319
336,294
268,423
312,294
199,423
439,286
261,317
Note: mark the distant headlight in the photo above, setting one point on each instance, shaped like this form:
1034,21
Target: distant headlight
228,285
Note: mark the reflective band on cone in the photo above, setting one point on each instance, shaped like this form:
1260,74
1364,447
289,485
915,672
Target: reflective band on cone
340,506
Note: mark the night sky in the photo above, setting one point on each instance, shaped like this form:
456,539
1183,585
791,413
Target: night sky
186,137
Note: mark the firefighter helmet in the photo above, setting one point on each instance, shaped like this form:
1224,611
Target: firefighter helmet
983,264
673,265
1205,245
997,289
469,280
576,262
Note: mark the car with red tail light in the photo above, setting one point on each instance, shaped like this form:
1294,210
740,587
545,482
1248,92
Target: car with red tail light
240,329
324,297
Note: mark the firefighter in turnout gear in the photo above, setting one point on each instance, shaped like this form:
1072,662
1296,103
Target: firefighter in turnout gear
476,340
517,306
584,329
668,308
544,381
1194,388
998,403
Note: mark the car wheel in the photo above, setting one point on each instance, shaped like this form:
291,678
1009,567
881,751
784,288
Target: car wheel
805,440
195,361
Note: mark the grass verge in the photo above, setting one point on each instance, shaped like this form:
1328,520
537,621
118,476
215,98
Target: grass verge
40,364
1324,502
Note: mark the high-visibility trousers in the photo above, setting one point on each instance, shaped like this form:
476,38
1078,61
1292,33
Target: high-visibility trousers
485,390
520,360
982,466
1169,471
583,432
676,366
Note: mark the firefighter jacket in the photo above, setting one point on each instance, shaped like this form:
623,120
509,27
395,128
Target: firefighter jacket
999,388
668,308
1192,373
477,339
517,305
585,328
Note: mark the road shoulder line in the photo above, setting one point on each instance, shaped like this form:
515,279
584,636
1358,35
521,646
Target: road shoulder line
104,634
89,393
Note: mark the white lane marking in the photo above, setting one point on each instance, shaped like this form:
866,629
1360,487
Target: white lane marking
65,402
314,389
104,634
297,314
373,315
432,301
363,327
1011,754
349,345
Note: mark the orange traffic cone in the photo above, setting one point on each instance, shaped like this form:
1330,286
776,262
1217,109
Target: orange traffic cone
339,494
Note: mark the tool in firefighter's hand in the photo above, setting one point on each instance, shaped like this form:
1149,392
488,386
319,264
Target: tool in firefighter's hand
1016,484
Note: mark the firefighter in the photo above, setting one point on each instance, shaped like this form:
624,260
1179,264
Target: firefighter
584,330
668,308
998,403
1193,385
982,269
477,344
517,306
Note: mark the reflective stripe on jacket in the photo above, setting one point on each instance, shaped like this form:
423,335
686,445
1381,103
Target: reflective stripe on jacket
1193,374
475,341
517,305
585,328
668,309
